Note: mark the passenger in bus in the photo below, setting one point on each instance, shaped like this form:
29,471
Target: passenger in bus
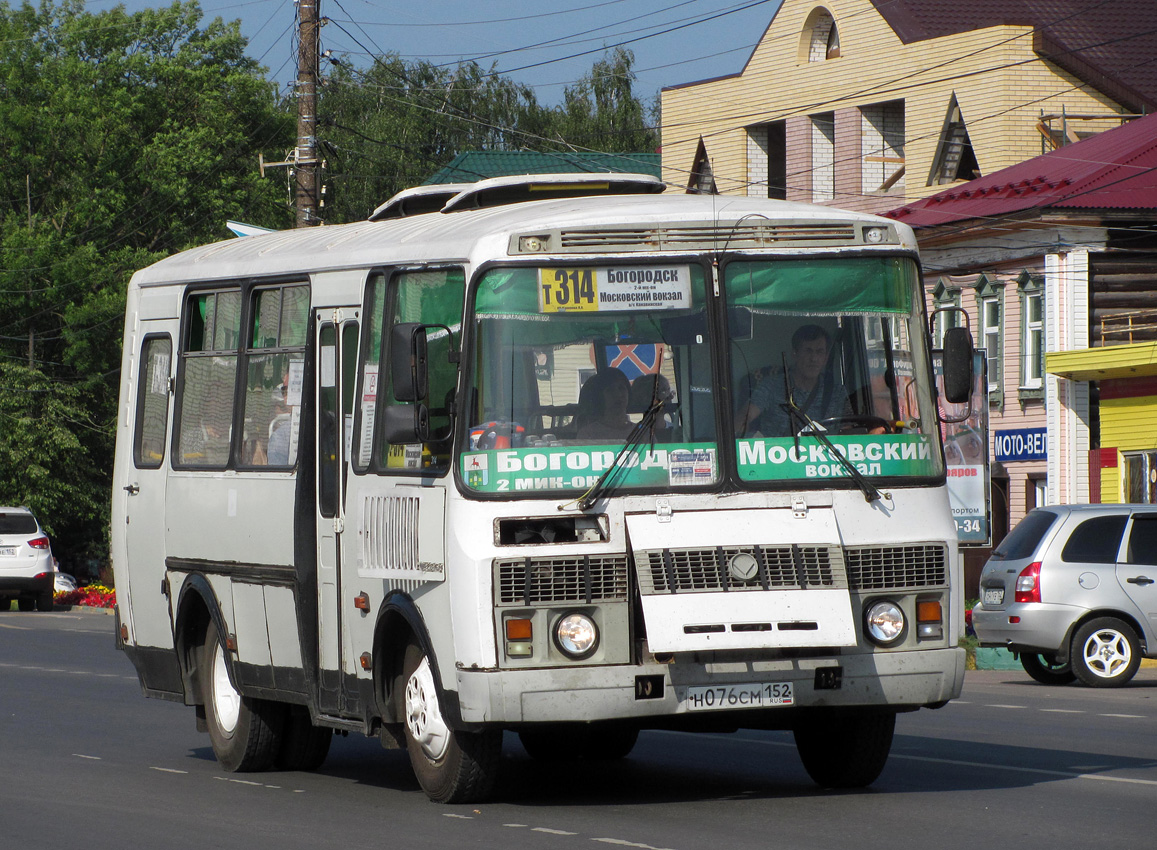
602,406
648,389
279,428
814,390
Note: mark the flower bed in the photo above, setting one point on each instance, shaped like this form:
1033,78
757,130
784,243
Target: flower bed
93,596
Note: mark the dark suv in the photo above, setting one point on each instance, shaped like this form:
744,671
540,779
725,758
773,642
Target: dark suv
1073,591
26,565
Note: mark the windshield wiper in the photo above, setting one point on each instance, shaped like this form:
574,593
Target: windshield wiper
815,429
605,483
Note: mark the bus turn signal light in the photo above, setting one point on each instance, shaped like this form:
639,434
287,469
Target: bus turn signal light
519,629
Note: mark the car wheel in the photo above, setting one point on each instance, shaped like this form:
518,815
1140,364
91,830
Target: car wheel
1105,653
303,746
25,603
452,766
845,750
245,731
1046,670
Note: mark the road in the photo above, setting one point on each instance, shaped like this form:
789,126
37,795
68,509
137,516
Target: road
87,761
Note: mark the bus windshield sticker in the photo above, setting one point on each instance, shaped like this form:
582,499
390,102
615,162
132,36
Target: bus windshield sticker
578,468
901,455
614,288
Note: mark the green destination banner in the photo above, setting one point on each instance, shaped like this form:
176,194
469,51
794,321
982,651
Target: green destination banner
873,455
579,467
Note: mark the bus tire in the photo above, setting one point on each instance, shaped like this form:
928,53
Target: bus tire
452,766
845,750
303,745
245,731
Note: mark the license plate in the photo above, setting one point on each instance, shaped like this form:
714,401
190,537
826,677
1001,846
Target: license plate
993,595
754,695
7,551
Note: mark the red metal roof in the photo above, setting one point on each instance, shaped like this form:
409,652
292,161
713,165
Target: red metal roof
1109,43
1114,170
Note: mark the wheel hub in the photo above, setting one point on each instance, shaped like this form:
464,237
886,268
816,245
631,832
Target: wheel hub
423,714
226,700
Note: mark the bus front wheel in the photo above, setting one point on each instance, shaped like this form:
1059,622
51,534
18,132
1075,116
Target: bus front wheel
245,731
845,750
452,766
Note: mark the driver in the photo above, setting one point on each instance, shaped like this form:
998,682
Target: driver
813,389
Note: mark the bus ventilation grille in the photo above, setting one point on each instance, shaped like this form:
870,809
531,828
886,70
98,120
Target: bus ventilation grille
754,234
709,570
897,567
585,578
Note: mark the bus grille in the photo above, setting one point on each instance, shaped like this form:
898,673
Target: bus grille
748,234
897,567
584,578
706,570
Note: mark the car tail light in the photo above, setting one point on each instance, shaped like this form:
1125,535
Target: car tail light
1028,583
38,542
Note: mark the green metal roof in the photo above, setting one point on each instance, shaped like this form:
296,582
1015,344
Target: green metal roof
472,166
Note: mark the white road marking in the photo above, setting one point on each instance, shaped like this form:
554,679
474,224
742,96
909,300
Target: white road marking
1063,710
551,831
168,770
459,817
82,756
998,705
1126,716
621,843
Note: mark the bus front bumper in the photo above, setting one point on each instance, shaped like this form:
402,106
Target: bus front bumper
900,680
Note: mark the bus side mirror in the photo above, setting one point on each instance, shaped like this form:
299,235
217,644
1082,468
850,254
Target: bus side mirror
406,424
408,361
958,375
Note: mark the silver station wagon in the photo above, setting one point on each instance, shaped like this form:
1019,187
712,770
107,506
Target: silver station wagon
1073,591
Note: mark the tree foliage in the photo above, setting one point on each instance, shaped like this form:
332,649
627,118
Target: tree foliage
126,137
392,126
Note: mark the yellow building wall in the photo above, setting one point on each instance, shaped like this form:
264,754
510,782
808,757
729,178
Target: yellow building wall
1129,424
1001,86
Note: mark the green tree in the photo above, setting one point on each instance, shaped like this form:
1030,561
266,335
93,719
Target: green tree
392,126
126,137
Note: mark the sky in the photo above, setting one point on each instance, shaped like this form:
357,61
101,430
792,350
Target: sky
546,44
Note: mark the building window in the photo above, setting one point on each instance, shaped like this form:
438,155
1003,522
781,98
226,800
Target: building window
767,160
945,298
990,301
955,158
821,39
702,180
823,157
1140,477
882,146
1032,340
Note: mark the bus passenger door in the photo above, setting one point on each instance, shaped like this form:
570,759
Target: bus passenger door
336,350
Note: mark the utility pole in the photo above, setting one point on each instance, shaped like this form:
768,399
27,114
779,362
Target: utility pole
307,165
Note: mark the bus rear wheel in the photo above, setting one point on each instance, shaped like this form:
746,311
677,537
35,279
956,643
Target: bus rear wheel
845,750
452,766
303,746
245,731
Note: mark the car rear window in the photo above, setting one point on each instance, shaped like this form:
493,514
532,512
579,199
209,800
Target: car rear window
1143,539
1022,541
17,524
1095,541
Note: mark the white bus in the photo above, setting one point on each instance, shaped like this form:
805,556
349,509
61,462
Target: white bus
564,457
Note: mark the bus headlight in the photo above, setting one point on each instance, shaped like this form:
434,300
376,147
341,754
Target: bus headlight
576,635
884,622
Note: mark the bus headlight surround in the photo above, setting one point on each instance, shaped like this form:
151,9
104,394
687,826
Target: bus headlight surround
884,622
576,635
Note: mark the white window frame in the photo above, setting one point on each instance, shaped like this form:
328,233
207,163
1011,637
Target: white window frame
1032,340
991,314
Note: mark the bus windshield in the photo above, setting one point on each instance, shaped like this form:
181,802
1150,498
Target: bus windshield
831,347
567,361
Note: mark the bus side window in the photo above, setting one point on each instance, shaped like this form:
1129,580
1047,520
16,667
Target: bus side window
275,368
431,297
152,417
208,378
